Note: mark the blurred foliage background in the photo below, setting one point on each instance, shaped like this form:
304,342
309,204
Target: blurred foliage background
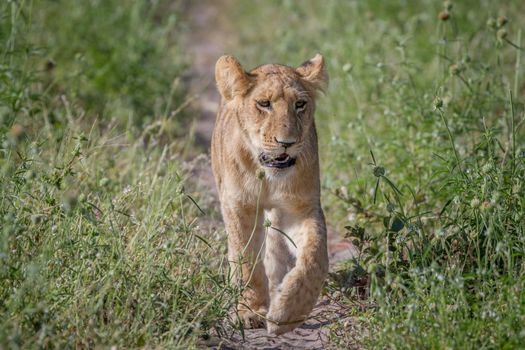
422,159
422,151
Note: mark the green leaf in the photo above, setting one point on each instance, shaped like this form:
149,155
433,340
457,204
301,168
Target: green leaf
397,225
386,222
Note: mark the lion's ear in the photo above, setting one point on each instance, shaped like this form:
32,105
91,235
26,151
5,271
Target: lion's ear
231,78
314,72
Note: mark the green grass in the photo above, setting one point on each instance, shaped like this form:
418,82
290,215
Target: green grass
423,129
99,242
423,166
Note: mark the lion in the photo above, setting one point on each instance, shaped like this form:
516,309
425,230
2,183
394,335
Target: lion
266,166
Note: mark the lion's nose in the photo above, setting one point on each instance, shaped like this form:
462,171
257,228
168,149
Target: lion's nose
285,143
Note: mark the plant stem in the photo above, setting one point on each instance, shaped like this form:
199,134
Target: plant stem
451,139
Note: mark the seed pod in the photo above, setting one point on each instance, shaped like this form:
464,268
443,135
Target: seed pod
438,103
502,34
444,15
16,131
379,171
454,69
50,65
502,20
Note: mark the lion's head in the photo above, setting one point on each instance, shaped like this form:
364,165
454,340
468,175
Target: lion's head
274,105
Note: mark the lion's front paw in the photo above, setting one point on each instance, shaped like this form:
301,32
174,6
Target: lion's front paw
279,323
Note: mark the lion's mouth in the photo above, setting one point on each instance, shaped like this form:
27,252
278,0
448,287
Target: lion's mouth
281,161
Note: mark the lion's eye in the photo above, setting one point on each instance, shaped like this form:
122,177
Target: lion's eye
263,103
300,104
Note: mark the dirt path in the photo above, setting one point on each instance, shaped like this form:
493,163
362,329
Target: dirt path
208,35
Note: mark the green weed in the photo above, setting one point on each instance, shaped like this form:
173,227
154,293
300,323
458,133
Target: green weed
422,161
99,239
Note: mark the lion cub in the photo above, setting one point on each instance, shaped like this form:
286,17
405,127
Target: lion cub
266,166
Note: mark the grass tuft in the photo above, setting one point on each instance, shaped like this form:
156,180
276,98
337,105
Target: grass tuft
99,242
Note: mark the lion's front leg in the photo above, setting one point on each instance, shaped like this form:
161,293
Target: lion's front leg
278,258
296,296
245,244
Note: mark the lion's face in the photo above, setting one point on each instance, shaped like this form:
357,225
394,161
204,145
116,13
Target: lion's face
275,107
277,114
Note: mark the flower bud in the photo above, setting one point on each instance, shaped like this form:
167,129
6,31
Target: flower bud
16,131
379,171
454,69
502,34
260,174
502,20
438,103
491,24
444,15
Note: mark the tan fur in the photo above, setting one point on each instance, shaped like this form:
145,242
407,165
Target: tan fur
283,281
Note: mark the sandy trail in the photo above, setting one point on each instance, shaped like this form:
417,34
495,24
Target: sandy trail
209,33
